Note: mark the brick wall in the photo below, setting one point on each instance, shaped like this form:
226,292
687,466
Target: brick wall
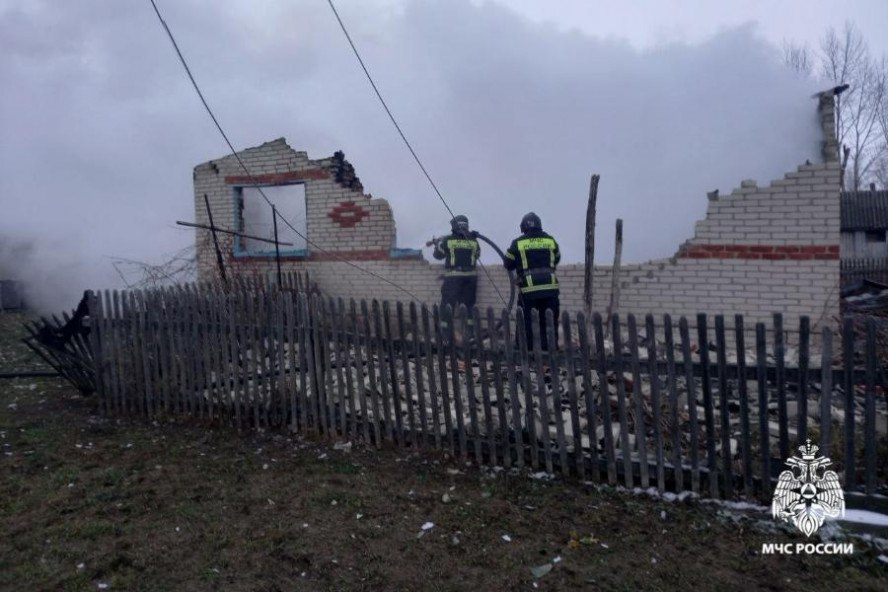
759,250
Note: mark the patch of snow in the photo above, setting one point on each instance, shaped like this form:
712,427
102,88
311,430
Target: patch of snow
865,517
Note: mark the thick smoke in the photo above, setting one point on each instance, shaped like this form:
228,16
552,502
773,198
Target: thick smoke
101,129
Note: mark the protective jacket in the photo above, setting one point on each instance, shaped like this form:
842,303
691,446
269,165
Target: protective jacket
534,256
460,254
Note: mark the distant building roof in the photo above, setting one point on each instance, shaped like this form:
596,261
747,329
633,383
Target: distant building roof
864,210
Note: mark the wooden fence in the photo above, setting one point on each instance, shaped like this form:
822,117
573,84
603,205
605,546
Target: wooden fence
658,404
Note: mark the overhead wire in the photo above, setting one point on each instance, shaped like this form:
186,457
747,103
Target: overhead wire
401,133
253,180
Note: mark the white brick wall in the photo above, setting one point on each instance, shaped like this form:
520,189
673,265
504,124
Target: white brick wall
801,209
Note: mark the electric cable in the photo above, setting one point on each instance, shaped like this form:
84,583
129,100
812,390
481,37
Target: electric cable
403,137
253,180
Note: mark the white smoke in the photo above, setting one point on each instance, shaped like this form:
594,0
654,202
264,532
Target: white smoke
101,127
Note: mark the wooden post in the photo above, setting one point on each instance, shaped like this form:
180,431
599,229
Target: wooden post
219,260
614,305
277,245
590,245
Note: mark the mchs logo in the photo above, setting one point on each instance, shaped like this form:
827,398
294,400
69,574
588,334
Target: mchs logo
807,494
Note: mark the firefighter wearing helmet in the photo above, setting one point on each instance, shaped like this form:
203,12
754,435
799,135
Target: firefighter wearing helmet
534,256
459,250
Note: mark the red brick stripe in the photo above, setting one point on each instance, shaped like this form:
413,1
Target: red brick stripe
279,178
347,214
766,252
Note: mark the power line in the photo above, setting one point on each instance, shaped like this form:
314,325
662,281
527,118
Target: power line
401,133
253,179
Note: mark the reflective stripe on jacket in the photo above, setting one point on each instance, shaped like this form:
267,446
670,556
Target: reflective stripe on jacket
460,255
534,257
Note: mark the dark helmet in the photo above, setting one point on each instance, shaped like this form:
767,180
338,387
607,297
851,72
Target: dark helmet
459,225
531,221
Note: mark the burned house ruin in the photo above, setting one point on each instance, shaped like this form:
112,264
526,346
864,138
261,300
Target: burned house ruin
762,249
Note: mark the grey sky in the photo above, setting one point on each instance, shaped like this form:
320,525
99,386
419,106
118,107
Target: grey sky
511,105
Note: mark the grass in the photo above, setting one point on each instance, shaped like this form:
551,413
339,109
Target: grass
142,506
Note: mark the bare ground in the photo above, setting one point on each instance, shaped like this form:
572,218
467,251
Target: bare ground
87,502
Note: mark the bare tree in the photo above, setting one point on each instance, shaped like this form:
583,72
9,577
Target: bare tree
860,111
798,58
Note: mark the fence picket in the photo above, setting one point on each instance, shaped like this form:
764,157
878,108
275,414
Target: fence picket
555,381
434,419
235,359
514,401
671,378
387,353
97,337
850,411
498,387
638,398
571,371
329,407
869,417
780,383
542,400
408,386
281,375
466,357
442,371
303,330
485,388
826,387
724,410
694,452
380,342
353,363
604,392
764,428
450,316
362,353
708,410
650,332
290,337
421,438
743,392
802,408
341,352
370,344
530,420
625,448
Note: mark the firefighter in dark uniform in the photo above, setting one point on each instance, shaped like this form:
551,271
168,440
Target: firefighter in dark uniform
534,256
459,250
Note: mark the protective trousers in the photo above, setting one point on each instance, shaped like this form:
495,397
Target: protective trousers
541,304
